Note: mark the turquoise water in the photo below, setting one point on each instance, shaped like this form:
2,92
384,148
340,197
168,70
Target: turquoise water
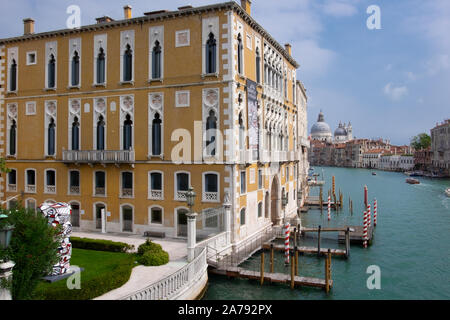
411,244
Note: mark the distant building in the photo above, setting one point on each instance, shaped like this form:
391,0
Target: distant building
396,162
440,148
422,159
320,130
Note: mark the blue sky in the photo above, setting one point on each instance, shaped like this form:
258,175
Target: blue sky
392,83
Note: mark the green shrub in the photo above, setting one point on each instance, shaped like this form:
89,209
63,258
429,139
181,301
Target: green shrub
34,250
100,245
148,246
154,258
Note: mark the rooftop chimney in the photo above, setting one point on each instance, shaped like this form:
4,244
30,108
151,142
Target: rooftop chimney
288,48
246,5
104,19
185,7
127,12
28,26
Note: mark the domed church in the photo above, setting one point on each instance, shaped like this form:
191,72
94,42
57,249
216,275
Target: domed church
321,131
343,133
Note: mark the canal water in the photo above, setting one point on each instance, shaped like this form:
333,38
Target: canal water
411,245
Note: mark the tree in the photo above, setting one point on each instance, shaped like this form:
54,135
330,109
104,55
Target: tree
421,141
33,248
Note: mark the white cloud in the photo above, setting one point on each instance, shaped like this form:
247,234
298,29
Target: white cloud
340,8
395,93
437,63
411,76
314,61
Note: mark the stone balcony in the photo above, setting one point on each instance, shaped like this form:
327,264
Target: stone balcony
98,156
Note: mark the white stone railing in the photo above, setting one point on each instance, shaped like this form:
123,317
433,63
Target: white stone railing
174,285
156,194
30,188
211,196
98,156
214,245
12,187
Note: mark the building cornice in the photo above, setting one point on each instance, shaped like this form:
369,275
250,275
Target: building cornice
157,17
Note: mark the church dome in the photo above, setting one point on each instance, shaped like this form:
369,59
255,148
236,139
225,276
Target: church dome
320,129
340,131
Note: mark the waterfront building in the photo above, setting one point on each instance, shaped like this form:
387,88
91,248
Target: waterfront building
396,162
440,148
124,115
371,158
422,159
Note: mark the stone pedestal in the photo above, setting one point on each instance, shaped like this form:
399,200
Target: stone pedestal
191,235
227,217
6,275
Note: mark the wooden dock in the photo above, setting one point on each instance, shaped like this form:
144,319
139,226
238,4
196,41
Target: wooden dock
237,272
312,250
315,202
356,236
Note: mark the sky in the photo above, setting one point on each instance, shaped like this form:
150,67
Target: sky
391,83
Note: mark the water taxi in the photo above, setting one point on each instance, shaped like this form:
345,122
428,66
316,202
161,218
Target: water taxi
412,181
447,192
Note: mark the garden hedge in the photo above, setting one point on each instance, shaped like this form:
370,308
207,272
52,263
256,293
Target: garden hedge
100,245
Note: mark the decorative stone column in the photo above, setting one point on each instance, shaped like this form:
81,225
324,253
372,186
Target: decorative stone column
227,216
5,276
103,220
191,235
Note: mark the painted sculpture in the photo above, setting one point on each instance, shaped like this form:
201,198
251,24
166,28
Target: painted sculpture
59,214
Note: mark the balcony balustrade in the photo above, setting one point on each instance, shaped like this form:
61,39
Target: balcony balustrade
98,156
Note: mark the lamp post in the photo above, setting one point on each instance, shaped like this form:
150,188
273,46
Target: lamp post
5,266
284,201
191,221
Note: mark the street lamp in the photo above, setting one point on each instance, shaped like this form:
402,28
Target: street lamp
5,232
190,198
191,227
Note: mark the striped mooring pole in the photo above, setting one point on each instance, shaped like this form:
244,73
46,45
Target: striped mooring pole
287,226
365,196
365,230
329,208
375,212
369,216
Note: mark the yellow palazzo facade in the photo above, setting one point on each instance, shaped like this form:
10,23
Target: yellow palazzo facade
115,115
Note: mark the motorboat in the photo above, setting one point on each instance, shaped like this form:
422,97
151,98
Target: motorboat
447,192
412,181
374,173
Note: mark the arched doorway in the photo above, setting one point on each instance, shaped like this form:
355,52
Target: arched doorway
75,216
98,215
127,218
182,222
275,200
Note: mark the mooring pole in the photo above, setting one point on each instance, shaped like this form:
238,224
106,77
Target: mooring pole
318,241
295,237
347,242
262,268
271,258
327,286
296,260
292,270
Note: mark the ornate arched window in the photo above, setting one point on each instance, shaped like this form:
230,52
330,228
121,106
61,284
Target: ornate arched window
156,61
101,133
51,137
258,66
211,54
75,69
101,66
211,127
75,134
156,135
13,76
128,64
127,133
12,138
241,132
239,55
51,71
